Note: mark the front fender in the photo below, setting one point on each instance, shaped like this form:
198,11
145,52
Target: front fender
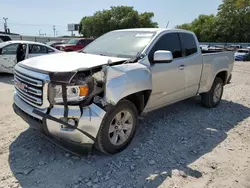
126,79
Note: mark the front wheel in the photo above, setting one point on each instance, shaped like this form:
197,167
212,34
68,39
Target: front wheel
118,128
212,98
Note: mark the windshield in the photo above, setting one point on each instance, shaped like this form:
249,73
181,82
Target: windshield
73,41
124,44
49,43
2,44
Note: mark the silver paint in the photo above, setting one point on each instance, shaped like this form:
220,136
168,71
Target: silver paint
89,121
126,79
169,82
163,55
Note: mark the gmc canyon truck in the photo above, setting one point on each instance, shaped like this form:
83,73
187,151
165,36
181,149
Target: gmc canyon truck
95,96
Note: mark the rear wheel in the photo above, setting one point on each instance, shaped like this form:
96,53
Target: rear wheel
212,98
118,128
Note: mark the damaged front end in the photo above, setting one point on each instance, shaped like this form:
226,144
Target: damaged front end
78,101
76,105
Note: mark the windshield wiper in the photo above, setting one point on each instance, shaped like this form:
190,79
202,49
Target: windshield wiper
83,52
135,58
102,54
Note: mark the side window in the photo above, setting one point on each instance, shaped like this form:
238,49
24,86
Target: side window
81,42
170,42
188,43
37,49
10,49
49,50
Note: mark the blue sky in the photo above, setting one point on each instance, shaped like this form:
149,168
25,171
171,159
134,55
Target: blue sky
29,16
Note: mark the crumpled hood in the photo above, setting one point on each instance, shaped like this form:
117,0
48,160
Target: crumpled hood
66,62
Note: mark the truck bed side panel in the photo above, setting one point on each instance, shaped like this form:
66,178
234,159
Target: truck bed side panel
213,64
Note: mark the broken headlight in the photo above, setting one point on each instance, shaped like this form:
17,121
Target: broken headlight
74,93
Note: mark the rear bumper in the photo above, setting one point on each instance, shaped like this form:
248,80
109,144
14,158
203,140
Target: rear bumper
48,121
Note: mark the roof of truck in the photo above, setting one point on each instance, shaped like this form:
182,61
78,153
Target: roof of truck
153,30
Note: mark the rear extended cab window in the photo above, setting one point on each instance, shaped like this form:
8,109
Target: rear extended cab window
188,43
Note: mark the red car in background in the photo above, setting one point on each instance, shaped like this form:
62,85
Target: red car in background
74,44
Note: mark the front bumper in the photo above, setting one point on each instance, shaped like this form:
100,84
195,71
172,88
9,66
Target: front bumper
89,121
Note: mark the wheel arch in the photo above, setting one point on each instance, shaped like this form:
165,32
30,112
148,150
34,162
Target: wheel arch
223,75
139,99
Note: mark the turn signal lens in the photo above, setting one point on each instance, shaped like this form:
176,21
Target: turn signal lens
84,90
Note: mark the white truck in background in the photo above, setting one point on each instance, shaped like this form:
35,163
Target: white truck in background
95,96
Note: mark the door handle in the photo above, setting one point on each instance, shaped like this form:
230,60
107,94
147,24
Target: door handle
181,67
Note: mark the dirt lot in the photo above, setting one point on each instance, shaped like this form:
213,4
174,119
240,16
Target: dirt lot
183,145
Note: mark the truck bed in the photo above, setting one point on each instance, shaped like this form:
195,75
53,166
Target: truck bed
212,63
213,51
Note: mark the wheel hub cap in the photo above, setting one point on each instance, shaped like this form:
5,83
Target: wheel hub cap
120,127
217,93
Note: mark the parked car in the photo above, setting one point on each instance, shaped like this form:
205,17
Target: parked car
74,44
95,96
12,52
216,48
204,47
235,46
241,54
55,43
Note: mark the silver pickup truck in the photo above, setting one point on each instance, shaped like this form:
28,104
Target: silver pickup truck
95,96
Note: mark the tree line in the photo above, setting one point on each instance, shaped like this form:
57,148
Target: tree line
230,24
118,17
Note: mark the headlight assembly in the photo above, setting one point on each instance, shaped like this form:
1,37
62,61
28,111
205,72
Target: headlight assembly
75,93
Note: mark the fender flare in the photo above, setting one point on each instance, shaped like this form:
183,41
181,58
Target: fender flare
126,79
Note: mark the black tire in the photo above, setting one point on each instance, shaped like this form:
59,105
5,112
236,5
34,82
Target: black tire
207,98
103,142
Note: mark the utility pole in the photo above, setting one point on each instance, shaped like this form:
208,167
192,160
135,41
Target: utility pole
5,25
54,28
167,24
40,32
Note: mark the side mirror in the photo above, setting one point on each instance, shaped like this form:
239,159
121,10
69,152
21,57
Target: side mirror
163,56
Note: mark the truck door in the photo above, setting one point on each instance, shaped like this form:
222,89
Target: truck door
193,63
168,79
8,57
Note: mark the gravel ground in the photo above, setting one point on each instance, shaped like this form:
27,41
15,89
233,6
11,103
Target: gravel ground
183,145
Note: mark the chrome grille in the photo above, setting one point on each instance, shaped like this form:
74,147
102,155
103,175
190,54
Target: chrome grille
29,89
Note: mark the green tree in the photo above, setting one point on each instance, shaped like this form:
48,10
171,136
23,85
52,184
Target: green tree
231,24
119,17
233,21
203,27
